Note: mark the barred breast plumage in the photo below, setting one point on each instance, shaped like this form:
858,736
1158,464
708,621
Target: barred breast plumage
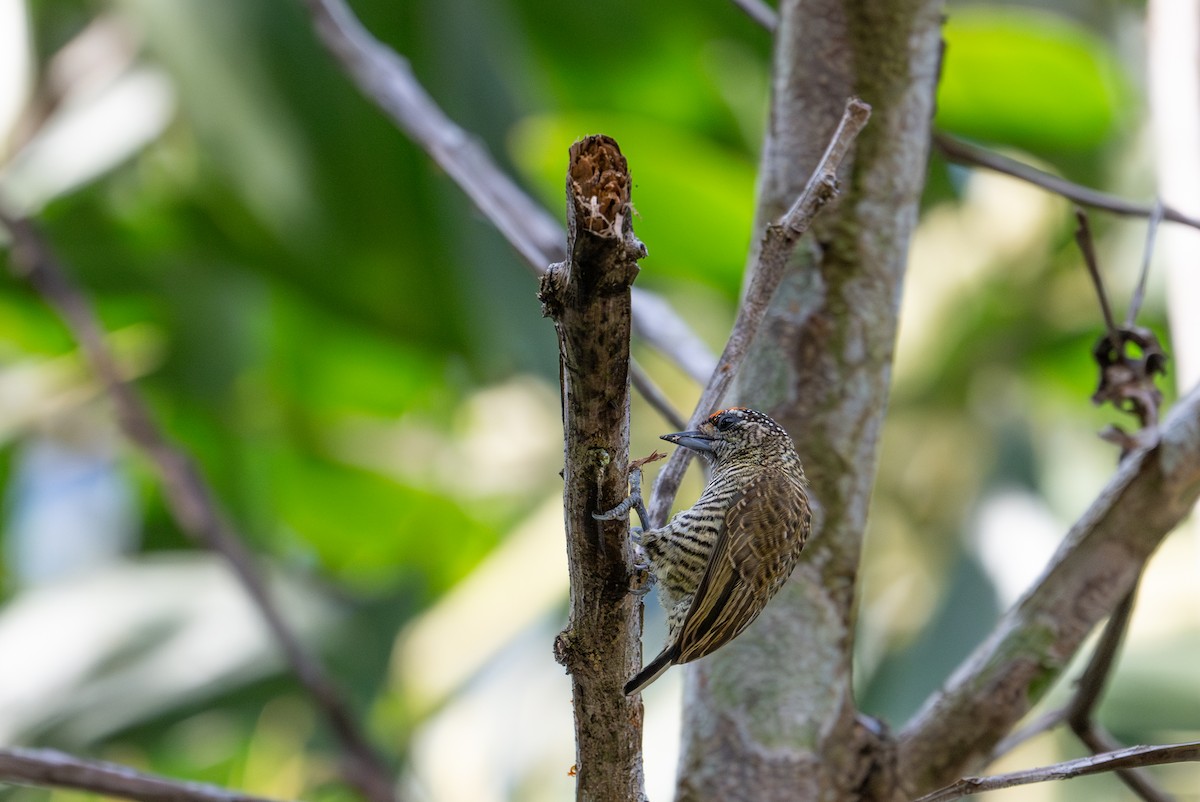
720,562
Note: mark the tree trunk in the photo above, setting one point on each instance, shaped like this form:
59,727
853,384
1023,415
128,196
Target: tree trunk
771,716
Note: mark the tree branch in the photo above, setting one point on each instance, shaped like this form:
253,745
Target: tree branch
1096,565
190,499
588,297
387,79
50,768
760,12
1121,760
962,152
771,716
1099,741
1128,377
657,399
1080,713
1083,238
1139,292
778,244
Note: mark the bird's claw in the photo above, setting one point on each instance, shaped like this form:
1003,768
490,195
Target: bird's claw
641,587
617,512
643,580
634,501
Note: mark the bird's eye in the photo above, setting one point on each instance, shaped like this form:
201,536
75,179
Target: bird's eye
725,423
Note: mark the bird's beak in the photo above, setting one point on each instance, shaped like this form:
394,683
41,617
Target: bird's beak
695,440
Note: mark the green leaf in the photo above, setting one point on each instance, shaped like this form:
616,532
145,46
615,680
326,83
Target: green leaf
370,531
330,367
1028,78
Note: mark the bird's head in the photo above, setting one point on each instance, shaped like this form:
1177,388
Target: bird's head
735,433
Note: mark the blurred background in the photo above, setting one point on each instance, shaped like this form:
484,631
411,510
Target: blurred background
360,365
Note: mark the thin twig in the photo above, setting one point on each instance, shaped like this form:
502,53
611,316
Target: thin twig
657,322
779,243
760,12
190,499
1095,676
387,79
1080,713
1046,721
1139,292
54,769
1133,757
1147,497
1089,686
654,396
961,152
1083,236
1099,741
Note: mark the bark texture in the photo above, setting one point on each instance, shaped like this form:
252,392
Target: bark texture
588,296
771,717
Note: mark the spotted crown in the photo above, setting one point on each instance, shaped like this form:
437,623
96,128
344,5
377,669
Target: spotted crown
724,418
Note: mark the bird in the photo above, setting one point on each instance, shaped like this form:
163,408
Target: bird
720,562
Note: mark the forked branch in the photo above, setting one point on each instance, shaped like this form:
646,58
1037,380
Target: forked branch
1096,566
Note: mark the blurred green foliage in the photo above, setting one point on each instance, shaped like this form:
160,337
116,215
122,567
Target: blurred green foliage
1031,79
317,307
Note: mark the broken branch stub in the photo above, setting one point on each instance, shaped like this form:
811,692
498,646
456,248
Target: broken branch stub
588,296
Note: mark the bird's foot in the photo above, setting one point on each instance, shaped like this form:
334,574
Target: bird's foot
619,511
643,579
634,501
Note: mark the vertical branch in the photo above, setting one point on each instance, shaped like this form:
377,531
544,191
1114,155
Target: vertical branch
588,296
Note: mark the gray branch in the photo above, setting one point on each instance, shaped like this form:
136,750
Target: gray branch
53,769
657,399
387,79
962,152
1095,567
760,12
1120,760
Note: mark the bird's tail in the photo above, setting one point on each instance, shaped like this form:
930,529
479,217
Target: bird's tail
652,671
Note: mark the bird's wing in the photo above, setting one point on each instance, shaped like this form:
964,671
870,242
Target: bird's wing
748,564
